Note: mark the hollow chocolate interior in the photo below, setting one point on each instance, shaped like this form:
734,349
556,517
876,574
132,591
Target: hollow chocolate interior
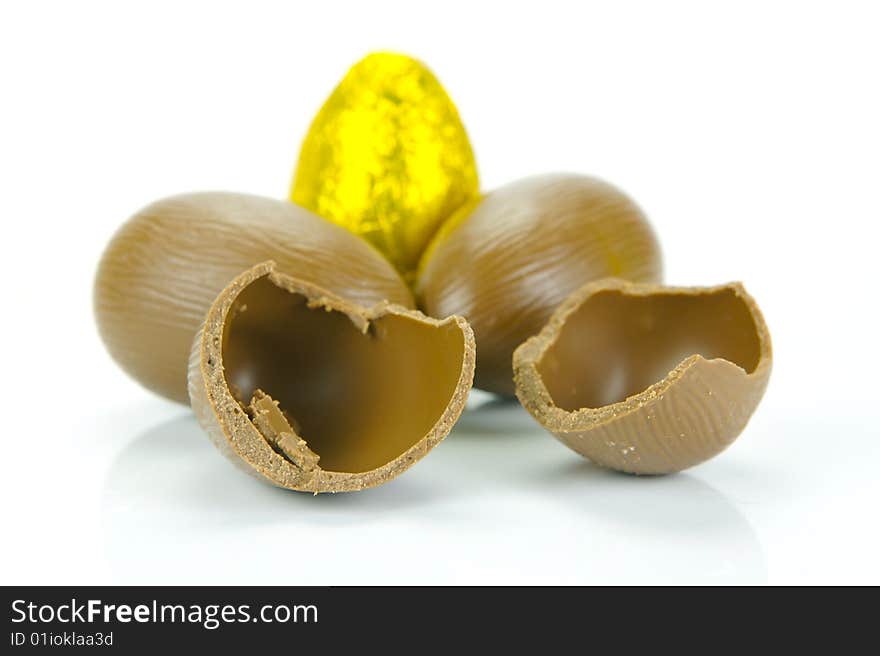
358,399
616,345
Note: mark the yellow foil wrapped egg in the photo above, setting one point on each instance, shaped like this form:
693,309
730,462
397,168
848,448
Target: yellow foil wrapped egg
387,157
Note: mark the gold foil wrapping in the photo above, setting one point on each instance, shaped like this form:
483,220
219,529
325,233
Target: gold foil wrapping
387,157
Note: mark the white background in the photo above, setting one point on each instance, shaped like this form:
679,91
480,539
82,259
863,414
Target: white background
748,132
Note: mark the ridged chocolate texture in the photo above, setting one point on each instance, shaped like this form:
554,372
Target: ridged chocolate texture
165,266
647,379
316,394
508,260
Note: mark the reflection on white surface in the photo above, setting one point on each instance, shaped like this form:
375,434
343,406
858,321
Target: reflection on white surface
499,501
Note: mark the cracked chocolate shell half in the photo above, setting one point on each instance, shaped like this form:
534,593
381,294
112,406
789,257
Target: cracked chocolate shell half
647,379
317,394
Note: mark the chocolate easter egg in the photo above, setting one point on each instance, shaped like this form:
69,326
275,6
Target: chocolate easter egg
647,379
311,392
506,261
387,157
165,266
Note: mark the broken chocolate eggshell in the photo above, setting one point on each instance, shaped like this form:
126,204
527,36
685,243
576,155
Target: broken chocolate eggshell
647,379
506,261
317,394
165,266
